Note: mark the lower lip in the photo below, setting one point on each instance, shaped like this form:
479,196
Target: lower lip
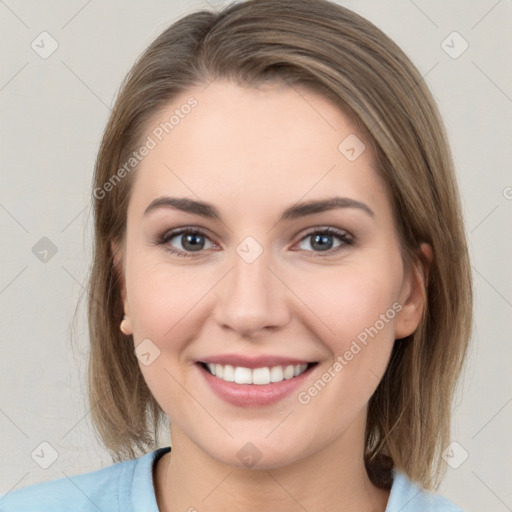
253,395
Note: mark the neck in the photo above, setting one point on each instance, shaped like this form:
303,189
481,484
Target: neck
332,480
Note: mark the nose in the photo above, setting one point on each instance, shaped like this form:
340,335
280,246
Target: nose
252,298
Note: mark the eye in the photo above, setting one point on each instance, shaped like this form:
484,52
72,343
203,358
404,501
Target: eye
322,240
189,240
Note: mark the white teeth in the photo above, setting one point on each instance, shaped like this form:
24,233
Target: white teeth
228,373
261,376
243,375
276,374
258,376
288,371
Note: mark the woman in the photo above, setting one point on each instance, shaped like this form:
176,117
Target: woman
280,269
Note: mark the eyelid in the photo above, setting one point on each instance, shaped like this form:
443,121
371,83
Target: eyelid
344,235
328,229
167,235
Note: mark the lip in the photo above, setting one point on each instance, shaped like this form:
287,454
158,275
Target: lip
253,395
253,362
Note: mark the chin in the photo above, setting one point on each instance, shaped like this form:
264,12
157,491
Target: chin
257,451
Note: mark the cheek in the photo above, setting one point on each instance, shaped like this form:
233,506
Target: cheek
162,297
164,302
358,308
350,301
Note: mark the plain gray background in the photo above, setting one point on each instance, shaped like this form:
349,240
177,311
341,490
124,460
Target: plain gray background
53,111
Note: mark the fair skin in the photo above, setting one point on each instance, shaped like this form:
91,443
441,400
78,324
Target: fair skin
252,153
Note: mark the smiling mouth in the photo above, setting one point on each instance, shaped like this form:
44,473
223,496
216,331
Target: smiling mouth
257,376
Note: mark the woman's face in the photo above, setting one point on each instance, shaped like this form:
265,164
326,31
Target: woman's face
262,287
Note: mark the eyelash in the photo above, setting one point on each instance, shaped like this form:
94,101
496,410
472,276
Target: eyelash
347,239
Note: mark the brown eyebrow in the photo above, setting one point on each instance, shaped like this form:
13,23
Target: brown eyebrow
293,212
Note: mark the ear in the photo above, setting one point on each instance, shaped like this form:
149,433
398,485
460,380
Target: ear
413,294
117,264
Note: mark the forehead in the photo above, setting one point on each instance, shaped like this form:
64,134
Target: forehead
230,144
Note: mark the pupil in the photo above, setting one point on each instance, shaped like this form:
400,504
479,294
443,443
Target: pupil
191,241
325,242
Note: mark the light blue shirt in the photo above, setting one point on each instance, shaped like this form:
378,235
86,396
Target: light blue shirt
128,487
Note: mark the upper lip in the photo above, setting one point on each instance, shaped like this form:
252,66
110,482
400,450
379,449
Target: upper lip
254,361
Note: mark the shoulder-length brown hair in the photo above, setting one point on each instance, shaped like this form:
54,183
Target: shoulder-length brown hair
328,48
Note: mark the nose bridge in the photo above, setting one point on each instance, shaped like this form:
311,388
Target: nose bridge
251,298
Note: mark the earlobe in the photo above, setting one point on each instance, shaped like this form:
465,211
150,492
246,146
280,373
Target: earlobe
414,294
125,326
